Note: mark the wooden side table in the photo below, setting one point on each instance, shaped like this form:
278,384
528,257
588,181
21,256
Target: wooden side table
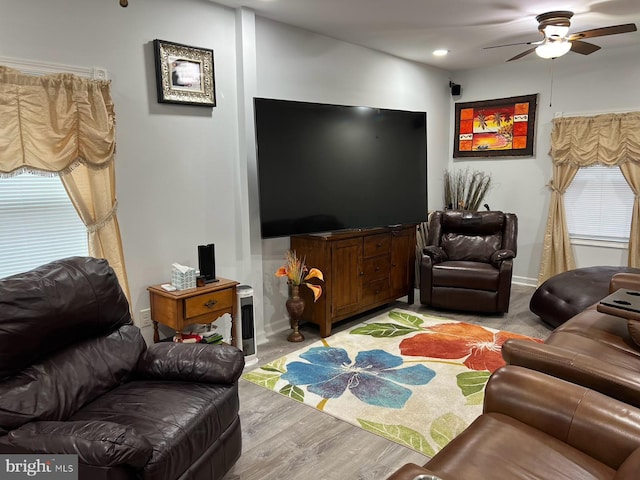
201,305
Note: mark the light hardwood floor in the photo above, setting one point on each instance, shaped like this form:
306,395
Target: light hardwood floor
283,439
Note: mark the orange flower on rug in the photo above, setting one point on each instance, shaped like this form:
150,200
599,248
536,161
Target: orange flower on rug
481,347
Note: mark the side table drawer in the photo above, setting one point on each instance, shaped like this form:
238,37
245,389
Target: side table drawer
207,303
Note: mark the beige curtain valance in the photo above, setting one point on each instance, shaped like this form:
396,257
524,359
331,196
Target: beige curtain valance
610,139
52,123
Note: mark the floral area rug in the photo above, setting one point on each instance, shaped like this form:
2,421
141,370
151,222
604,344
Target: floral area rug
414,379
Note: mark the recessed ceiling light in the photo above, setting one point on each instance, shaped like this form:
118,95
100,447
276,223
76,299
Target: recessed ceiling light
440,52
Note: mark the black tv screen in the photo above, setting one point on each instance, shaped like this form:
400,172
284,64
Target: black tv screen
329,167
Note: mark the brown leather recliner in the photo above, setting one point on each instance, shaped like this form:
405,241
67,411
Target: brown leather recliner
593,349
468,261
535,426
76,377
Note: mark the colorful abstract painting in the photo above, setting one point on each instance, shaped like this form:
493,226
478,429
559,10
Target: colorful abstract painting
415,379
502,127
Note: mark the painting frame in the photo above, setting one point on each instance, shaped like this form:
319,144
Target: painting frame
184,74
511,136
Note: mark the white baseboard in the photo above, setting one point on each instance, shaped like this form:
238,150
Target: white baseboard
526,281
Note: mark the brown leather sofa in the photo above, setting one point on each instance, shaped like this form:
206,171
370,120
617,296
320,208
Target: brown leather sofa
76,377
467,262
535,426
593,349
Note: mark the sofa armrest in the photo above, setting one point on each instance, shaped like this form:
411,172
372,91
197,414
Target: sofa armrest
104,444
630,468
193,362
410,471
617,381
600,426
500,256
426,276
624,280
436,254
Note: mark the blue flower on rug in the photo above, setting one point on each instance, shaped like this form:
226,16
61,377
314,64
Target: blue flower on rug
372,378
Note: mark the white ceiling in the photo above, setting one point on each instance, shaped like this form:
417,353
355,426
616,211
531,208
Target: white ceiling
412,29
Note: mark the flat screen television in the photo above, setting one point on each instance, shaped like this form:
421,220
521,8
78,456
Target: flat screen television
330,167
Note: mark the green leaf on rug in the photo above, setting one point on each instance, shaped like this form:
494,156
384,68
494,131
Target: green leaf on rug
406,318
446,427
399,434
276,365
476,398
293,392
472,385
383,330
266,380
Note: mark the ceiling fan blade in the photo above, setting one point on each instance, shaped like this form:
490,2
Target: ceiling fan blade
520,55
513,44
601,32
585,48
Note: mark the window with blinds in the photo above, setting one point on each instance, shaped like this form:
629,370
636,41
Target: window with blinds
599,204
38,223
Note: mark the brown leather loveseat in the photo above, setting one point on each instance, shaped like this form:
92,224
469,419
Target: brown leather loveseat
592,349
76,377
538,427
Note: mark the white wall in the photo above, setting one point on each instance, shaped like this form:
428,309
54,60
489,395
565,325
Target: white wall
605,81
177,176
294,64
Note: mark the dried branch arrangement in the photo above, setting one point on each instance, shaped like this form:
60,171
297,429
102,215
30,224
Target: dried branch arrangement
465,190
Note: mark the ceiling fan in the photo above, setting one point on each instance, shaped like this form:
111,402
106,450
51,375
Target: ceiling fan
554,27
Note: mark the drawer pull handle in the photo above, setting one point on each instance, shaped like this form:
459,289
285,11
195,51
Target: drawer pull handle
379,244
377,269
210,303
361,274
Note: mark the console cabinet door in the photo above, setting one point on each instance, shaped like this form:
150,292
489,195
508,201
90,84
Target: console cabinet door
402,262
346,273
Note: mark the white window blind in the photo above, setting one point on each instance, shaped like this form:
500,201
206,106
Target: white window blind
38,223
599,204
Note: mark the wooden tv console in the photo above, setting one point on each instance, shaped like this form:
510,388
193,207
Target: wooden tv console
363,269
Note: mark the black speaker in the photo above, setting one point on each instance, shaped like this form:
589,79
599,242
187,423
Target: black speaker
455,88
207,262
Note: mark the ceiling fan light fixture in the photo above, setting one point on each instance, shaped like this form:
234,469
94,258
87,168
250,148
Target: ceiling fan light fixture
556,31
553,49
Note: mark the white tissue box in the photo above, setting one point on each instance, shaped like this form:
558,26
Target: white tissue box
183,277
